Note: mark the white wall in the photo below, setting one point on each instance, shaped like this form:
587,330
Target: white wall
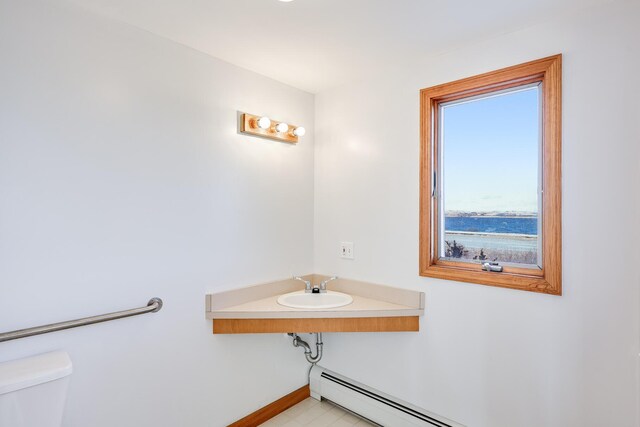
122,177
491,357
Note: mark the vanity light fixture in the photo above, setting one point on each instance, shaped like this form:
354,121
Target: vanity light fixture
264,127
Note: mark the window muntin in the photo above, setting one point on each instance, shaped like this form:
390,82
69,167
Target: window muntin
490,163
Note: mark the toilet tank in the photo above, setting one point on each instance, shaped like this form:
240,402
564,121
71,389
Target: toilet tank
33,390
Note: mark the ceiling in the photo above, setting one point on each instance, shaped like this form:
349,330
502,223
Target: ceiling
318,44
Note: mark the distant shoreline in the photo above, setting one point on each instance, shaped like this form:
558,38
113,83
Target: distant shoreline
489,215
504,236
492,216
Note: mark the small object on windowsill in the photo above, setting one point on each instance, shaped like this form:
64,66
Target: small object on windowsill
492,267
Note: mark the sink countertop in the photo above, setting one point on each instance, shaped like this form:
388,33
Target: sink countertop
369,300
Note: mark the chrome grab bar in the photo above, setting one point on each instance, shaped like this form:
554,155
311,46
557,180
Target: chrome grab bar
154,305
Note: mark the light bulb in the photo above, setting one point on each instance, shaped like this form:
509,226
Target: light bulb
264,122
299,131
282,127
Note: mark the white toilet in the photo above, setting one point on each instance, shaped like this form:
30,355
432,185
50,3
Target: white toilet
33,390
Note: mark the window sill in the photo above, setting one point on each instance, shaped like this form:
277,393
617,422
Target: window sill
534,282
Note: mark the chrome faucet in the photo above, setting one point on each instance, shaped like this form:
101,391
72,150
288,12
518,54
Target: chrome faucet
323,284
307,283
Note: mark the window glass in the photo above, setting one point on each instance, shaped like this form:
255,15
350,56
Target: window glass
490,178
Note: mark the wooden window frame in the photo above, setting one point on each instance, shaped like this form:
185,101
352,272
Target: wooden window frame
547,279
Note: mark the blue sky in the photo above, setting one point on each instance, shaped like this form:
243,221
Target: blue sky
491,153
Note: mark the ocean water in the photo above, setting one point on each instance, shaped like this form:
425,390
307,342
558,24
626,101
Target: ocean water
527,225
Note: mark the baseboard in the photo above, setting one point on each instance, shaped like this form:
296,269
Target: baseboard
271,410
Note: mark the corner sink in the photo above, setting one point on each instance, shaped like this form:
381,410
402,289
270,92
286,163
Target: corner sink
301,299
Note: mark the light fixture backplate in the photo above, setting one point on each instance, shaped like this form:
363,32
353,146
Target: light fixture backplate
249,126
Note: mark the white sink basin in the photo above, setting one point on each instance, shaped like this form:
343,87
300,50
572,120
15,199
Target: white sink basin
301,299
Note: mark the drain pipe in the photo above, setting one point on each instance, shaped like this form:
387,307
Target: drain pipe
299,342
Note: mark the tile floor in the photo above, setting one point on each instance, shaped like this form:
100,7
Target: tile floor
313,413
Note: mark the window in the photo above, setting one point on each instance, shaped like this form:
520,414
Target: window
490,196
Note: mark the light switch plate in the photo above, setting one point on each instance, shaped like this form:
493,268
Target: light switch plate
346,250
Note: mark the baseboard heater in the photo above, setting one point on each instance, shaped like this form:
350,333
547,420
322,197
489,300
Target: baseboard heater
369,403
